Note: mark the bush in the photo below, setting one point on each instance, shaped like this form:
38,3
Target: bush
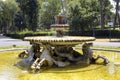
21,35
98,33
107,33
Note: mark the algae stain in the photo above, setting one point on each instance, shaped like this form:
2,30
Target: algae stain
96,72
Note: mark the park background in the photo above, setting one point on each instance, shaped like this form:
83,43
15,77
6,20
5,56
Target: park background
98,18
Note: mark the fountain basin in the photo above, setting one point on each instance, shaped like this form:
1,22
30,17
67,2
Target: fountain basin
59,26
77,72
53,40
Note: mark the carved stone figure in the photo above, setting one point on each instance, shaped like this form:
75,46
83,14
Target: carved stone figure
32,54
59,55
88,54
23,54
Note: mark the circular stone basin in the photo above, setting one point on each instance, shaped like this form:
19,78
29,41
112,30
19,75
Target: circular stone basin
59,26
53,40
76,72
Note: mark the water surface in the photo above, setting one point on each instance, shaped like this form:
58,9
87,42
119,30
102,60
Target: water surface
74,72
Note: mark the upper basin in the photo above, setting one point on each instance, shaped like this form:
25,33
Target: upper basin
53,40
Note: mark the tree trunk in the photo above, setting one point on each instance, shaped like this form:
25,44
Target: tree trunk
119,20
116,13
102,16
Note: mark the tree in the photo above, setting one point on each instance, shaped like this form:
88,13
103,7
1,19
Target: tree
29,9
49,9
105,7
19,21
101,13
84,13
117,16
81,15
7,12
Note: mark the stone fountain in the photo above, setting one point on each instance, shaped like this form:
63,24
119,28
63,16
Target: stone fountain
57,50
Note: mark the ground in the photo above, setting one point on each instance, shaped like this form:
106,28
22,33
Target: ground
107,40
6,41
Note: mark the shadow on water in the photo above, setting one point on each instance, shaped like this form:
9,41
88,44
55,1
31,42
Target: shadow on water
72,68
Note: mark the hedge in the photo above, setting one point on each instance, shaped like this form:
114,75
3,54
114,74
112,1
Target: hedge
22,35
98,33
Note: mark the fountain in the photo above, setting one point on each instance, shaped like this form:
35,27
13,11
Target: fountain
60,25
57,50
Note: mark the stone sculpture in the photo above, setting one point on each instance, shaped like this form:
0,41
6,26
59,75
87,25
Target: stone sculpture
60,56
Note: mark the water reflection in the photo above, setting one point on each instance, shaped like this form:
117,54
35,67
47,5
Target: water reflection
111,69
7,74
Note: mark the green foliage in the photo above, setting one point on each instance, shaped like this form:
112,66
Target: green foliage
81,16
29,9
19,21
98,33
48,11
39,14
26,32
84,13
107,33
8,9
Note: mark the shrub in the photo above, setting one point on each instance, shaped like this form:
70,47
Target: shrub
21,35
98,33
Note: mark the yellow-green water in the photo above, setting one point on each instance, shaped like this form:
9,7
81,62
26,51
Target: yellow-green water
74,72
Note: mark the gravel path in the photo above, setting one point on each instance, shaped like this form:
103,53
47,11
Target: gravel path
6,41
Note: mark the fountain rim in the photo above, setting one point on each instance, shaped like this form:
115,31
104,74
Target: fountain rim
65,40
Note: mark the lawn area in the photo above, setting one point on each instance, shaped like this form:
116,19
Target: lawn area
12,47
73,72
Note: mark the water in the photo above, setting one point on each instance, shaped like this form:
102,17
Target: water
74,72
111,68
7,74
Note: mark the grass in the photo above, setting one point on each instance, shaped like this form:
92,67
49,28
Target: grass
73,72
103,47
12,47
78,46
